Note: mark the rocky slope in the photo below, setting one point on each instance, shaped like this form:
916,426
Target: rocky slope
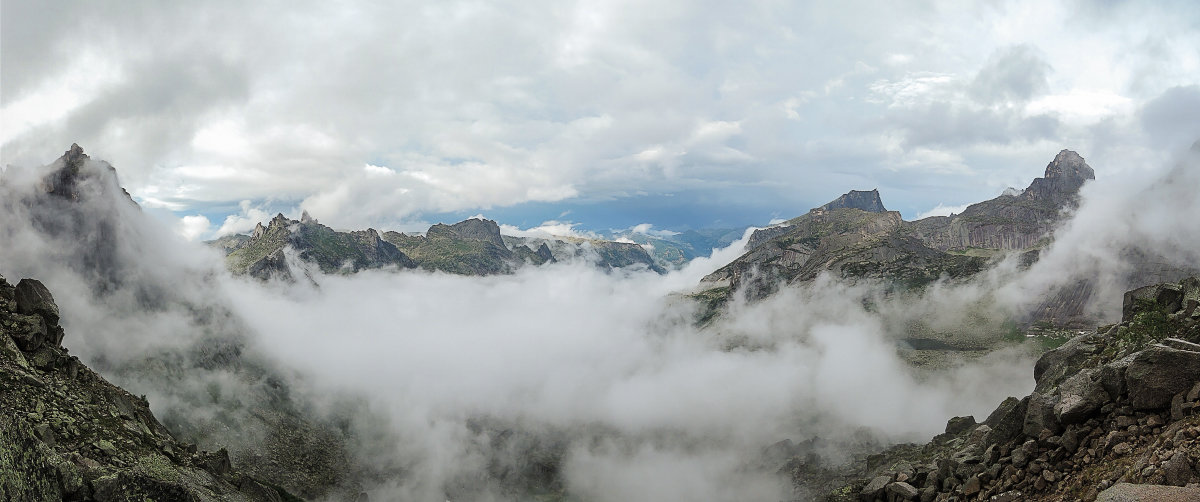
68,434
1112,417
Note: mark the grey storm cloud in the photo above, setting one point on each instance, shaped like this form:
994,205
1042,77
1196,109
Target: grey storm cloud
1015,74
1173,118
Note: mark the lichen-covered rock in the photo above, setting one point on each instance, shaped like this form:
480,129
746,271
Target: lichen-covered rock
1080,396
1128,492
1007,421
68,434
32,297
959,424
1061,363
1040,415
1158,373
874,488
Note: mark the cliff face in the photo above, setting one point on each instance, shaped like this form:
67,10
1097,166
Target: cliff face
1115,413
1012,222
469,247
68,434
850,243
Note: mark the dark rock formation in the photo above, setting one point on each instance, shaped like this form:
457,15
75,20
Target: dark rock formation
68,434
1160,372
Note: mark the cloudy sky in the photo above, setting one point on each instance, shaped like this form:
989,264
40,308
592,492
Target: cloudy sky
605,114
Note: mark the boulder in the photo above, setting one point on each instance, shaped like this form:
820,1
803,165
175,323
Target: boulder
1059,364
902,490
1126,492
1080,396
1112,376
874,488
1136,299
33,298
1039,415
1156,374
1176,343
959,424
1007,420
1177,471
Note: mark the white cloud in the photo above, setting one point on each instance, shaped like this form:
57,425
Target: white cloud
648,229
549,229
942,210
193,227
245,221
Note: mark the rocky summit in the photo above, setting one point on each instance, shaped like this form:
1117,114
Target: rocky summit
856,199
1114,416
66,433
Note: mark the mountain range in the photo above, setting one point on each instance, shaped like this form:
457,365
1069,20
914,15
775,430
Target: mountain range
1109,407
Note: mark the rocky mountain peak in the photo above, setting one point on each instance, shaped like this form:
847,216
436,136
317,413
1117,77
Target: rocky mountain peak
472,228
857,199
75,153
64,179
1064,176
74,169
279,219
1068,164
544,252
